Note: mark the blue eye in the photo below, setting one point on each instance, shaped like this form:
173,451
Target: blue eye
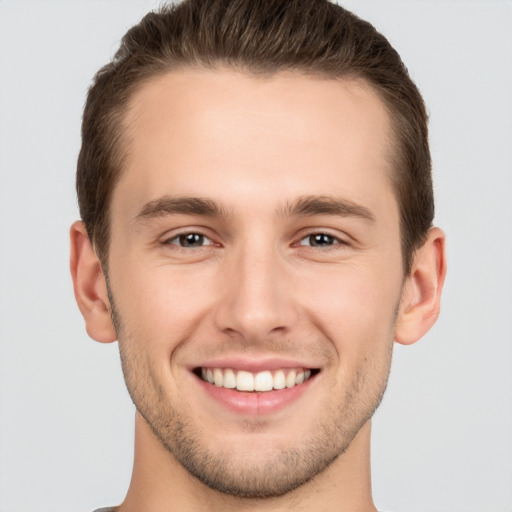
190,240
319,240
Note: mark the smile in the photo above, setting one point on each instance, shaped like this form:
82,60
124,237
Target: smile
262,381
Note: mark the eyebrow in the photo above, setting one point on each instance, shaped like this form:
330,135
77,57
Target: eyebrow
307,206
169,205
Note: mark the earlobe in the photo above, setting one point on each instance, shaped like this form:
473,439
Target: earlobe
421,297
90,286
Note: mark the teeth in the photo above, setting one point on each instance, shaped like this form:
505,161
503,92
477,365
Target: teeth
229,379
245,381
218,377
261,381
279,380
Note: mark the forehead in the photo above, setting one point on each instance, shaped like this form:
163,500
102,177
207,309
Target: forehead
219,132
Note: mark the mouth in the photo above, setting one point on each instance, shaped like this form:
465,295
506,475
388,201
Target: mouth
255,386
255,382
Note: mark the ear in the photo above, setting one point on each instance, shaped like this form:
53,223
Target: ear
421,296
90,286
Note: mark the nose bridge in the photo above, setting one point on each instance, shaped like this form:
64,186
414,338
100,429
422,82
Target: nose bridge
256,301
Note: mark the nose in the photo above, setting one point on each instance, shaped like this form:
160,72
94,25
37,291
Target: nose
257,299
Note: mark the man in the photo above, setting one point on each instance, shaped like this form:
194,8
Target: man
256,201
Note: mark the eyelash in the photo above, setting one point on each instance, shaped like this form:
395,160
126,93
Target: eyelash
182,236
334,241
180,239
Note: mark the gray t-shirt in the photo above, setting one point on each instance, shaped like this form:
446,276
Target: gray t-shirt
108,509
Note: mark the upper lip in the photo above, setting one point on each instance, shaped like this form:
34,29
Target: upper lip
254,364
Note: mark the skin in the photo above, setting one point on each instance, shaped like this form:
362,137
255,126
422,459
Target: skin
258,286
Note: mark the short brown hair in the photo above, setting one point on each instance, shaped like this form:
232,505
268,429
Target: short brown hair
315,37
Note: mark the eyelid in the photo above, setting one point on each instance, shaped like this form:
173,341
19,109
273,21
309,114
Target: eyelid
177,237
339,238
169,236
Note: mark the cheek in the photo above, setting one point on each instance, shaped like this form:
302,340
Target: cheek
356,310
161,304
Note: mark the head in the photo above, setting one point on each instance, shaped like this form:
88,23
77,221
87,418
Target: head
257,205
258,38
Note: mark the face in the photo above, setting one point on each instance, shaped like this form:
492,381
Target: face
255,271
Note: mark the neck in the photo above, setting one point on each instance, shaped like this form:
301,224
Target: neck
160,484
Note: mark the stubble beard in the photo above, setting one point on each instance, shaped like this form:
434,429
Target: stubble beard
237,475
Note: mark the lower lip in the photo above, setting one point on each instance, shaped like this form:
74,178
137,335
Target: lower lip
256,402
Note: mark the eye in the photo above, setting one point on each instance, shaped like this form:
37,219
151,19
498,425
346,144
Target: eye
189,240
320,240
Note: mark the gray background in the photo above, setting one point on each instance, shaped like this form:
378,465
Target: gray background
443,436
